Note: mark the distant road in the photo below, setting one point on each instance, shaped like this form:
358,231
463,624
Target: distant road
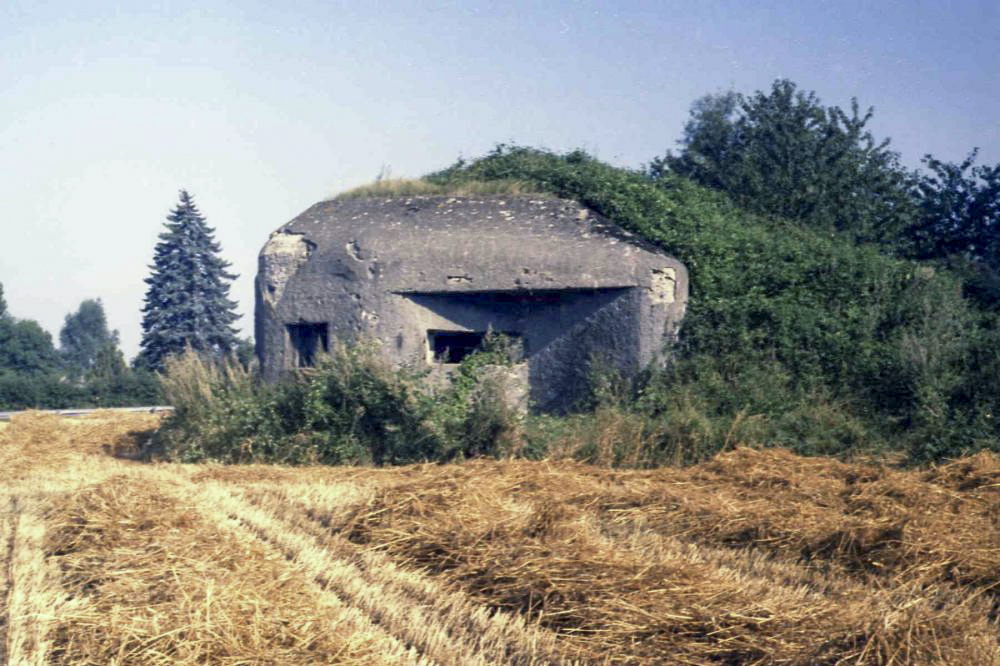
5,416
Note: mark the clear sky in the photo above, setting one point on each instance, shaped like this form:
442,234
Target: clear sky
262,109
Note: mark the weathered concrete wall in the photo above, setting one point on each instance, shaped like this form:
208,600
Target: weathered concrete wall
565,280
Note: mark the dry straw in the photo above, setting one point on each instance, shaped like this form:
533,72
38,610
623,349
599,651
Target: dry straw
445,624
549,543
34,442
406,187
162,585
755,557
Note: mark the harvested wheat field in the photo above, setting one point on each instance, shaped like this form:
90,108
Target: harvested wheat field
756,557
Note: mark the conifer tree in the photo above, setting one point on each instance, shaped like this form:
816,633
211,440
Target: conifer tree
187,302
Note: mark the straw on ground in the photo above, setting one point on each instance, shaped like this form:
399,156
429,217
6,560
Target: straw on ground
757,557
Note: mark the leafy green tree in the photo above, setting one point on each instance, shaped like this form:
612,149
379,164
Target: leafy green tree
109,363
960,220
85,336
28,362
187,302
711,143
6,329
26,348
784,153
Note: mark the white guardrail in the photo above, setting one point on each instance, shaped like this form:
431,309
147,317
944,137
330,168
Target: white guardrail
156,409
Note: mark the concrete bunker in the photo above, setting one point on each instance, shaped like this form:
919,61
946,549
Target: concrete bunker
429,276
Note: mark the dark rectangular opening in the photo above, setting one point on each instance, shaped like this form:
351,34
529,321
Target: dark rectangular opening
453,346
308,341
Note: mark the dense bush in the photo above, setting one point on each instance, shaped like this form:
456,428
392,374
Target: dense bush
352,408
19,391
781,316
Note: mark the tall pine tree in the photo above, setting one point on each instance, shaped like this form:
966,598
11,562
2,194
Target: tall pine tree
187,302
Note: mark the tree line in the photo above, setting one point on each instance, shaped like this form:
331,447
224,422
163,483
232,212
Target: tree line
186,305
88,368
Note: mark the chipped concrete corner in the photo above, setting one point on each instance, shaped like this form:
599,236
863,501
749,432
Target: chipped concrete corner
429,276
282,256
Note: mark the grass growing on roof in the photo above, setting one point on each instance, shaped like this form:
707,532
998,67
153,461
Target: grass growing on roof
401,187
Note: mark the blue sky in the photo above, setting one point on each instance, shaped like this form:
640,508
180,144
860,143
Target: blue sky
261,109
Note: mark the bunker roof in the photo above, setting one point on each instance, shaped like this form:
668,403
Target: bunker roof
446,243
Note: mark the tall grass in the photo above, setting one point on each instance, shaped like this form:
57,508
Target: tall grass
222,412
658,419
401,187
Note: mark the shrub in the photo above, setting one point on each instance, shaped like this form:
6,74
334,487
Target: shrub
351,409
362,410
476,414
220,412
